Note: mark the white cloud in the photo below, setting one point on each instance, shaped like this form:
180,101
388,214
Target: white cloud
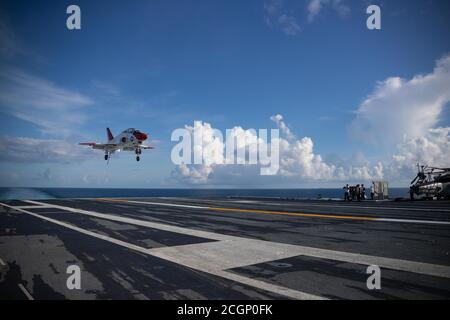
277,15
52,108
298,159
431,149
213,155
399,108
23,149
193,174
278,119
404,114
315,7
298,162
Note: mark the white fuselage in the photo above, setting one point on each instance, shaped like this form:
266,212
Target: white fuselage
125,141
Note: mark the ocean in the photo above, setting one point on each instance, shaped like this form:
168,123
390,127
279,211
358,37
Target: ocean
54,193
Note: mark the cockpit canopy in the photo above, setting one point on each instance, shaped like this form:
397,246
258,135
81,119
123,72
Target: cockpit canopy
131,130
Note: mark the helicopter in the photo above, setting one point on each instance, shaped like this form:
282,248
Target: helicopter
431,182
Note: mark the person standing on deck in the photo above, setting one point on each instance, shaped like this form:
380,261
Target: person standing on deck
346,192
372,191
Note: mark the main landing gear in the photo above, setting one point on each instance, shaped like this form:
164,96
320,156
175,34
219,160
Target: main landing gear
107,156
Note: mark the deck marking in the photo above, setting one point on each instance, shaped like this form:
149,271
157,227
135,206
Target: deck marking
414,221
154,203
299,295
25,291
294,294
165,227
319,215
298,214
286,213
224,249
354,207
34,207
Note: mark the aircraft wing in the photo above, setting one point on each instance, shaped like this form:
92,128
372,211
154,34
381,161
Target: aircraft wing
143,146
101,146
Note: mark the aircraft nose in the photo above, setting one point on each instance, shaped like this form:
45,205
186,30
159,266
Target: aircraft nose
141,136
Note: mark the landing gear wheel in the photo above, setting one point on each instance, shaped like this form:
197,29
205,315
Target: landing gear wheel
106,157
137,158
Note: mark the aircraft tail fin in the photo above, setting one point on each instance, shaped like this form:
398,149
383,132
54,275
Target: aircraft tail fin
110,135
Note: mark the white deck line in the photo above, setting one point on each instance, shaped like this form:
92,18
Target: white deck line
444,223
25,291
34,207
357,207
166,204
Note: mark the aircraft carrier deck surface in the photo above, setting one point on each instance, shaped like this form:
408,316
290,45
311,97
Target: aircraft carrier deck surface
223,248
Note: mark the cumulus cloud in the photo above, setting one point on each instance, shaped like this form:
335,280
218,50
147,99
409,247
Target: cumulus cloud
432,149
278,119
277,15
405,115
192,174
22,149
402,114
400,108
211,150
41,102
315,7
297,160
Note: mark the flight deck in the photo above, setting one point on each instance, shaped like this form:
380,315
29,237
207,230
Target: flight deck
223,248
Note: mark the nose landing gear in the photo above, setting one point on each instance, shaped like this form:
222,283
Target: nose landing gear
138,152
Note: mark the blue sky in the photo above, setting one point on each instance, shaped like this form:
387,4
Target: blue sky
160,65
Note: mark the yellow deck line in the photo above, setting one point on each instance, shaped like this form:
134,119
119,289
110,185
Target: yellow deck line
295,214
